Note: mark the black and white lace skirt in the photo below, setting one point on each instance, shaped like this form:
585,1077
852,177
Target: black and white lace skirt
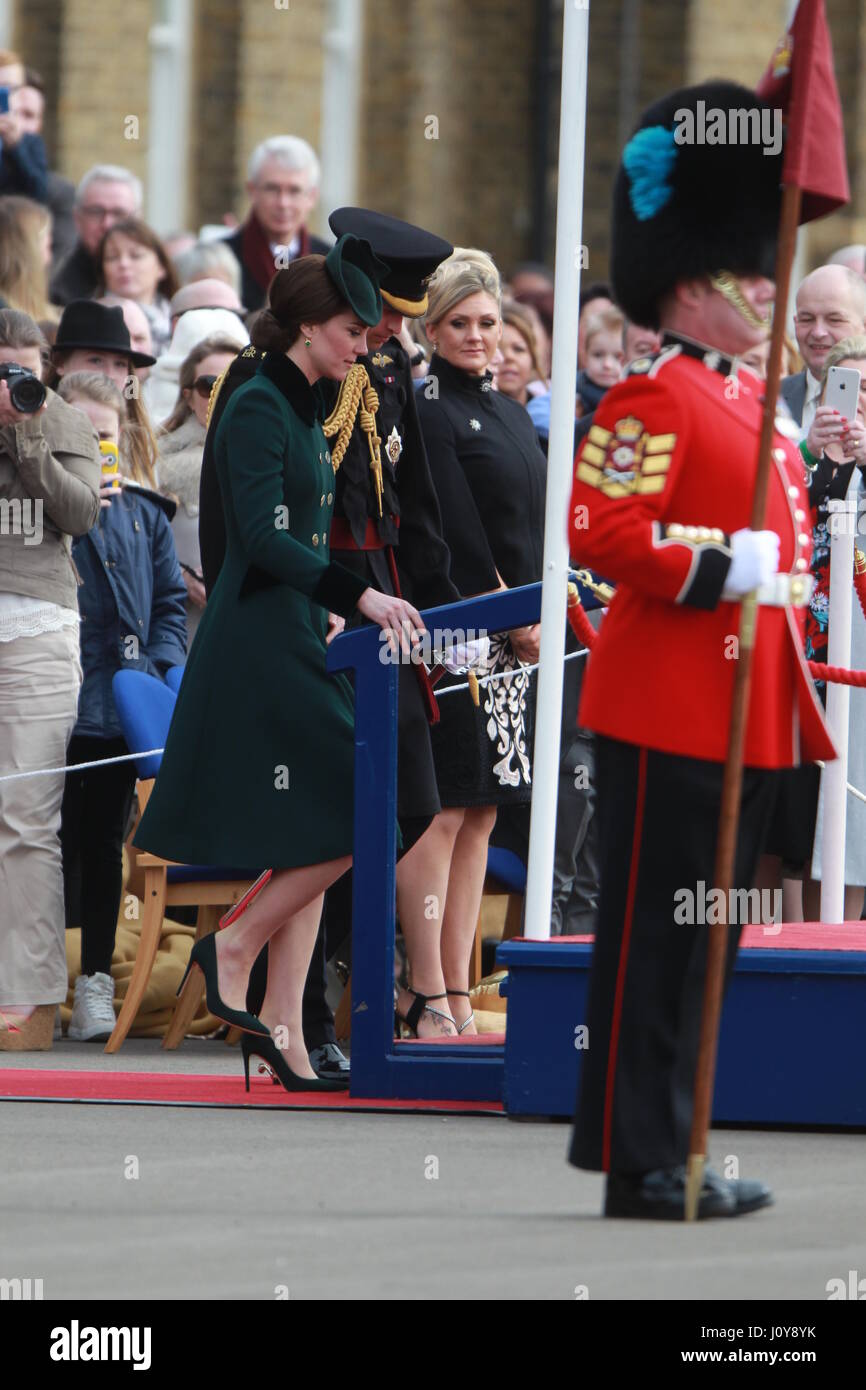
483,755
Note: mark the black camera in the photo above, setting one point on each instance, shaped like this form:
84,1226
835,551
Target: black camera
26,391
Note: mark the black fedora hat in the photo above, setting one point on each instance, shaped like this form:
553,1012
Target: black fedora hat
86,324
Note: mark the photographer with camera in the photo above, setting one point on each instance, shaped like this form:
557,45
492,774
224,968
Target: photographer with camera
49,492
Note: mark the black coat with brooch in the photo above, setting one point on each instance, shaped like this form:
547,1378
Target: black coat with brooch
490,477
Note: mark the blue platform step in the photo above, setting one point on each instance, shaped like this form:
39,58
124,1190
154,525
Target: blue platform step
792,1042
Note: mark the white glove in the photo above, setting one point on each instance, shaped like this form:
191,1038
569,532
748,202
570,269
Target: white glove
755,561
464,655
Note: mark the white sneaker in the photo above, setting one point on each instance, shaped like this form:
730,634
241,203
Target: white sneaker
93,1009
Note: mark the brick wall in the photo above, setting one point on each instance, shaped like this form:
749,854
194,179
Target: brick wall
103,79
256,70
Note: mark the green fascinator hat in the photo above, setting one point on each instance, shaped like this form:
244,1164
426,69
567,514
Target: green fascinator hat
357,272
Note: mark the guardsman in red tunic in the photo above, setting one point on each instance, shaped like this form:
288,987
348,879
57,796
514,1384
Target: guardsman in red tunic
661,504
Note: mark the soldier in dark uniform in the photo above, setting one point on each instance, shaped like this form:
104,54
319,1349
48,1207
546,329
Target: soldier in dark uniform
386,527
662,497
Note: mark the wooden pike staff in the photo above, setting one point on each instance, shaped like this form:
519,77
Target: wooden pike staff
732,783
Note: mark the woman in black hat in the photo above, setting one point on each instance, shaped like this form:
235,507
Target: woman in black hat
94,338
258,766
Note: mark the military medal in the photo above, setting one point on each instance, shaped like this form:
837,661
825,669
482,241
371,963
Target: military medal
393,445
474,424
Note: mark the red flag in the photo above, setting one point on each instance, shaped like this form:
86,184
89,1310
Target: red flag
801,80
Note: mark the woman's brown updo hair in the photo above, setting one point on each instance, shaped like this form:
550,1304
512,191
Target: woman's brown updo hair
302,293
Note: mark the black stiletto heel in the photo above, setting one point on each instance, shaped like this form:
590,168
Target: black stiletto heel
272,1061
203,955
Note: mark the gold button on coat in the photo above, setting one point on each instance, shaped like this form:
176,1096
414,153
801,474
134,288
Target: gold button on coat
779,455
330,498
315,540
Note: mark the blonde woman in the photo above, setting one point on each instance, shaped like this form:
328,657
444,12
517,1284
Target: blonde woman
25,254
490,475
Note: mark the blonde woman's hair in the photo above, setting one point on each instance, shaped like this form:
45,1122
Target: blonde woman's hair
847,350
23,277
136,443
217,342
466,271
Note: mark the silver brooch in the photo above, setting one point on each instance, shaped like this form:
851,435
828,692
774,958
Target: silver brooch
474,424
393,445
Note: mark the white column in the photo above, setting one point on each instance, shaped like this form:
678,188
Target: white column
569,224
168,117
843,525
341,85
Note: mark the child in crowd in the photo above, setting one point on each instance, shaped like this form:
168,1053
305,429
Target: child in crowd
132,604
603,359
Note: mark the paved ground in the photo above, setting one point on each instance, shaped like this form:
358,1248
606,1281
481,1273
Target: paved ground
233,1204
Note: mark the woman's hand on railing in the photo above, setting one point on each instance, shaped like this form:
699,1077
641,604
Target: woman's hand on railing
526,642
401,623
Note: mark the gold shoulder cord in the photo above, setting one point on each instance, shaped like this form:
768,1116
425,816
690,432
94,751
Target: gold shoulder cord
212,398
357,400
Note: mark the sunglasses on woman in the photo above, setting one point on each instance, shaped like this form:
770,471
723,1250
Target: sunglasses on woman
204,385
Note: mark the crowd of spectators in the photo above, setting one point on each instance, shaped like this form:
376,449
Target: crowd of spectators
130,331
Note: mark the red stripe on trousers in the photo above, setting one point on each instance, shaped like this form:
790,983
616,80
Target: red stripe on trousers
623,959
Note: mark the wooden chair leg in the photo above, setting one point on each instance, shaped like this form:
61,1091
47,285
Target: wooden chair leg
343,1016
187,1005
475,959
513,916
151,928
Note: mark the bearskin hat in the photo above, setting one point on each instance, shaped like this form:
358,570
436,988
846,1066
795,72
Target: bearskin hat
698,191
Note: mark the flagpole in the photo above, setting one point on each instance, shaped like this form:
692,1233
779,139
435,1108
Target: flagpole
729,814
560,468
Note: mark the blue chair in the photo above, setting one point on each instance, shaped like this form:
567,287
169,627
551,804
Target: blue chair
173,677
145,707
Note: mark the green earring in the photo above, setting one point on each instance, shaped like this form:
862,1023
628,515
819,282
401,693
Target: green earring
308,342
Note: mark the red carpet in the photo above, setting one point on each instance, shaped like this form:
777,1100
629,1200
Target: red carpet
790,936
161,1088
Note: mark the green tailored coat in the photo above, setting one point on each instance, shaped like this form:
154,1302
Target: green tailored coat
258,767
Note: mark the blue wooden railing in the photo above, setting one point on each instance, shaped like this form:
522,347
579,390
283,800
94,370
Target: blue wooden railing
380,1065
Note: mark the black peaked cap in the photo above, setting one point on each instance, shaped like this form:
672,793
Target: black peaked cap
411,253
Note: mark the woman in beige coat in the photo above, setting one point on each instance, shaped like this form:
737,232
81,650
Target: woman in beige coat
49,492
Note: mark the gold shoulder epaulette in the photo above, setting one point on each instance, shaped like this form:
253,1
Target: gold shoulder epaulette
357,400
214,392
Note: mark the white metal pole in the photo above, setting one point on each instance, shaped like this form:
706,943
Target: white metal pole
341,87
842,528
168,117
569,221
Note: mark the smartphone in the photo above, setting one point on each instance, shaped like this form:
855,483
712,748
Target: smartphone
110,458
4,101
842,391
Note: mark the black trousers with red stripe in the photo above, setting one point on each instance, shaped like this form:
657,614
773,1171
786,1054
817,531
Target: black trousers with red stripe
657,824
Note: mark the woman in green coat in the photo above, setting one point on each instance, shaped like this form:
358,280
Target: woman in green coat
258,764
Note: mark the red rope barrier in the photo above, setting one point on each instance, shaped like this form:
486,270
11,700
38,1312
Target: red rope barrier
837,674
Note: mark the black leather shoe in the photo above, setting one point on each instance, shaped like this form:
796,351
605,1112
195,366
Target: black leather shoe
329,1063
661,1196
749,1194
